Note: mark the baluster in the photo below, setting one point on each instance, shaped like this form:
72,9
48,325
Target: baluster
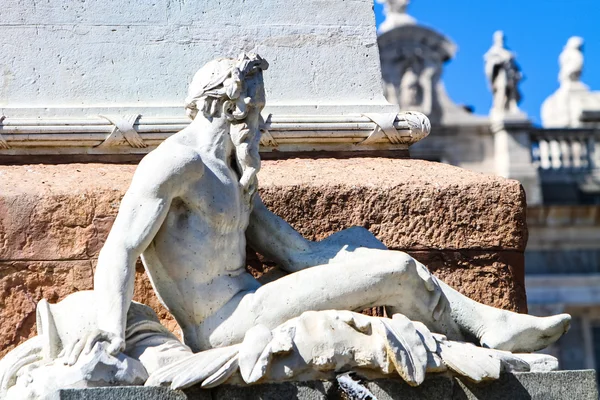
555,160
576,150
584,153
565,153
544,150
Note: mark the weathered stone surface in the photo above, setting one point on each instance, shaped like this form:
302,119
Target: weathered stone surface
435,387
496,279
560,385
58,212
50,212
24,283
144,293
123,60
469,228
493,278
407,204
128,393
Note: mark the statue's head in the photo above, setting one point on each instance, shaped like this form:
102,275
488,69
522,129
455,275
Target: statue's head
499,38
574,42
395,6
228,88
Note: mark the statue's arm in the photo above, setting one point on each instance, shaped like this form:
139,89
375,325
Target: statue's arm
274,238
156,182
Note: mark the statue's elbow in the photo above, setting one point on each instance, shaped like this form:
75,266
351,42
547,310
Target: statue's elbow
356,236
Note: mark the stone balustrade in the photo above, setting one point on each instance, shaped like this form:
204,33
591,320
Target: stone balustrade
568,151
568,164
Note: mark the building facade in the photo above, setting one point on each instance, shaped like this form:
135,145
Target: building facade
557,163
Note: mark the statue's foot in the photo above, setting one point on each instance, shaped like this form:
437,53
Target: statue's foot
523,333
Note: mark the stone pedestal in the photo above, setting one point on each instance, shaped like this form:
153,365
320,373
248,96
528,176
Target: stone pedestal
468,228
124,57
562,385
92,68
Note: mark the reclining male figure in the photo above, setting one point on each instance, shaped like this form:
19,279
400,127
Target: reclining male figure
189,218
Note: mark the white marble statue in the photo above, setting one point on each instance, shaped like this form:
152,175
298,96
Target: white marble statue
189,216
565,107
504,76
571,61
395,15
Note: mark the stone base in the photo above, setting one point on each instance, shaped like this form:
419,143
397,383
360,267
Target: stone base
560,385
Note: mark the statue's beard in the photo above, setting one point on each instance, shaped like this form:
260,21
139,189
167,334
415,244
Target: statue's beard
247,158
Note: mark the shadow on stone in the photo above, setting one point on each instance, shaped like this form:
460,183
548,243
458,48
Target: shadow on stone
508,386
557,385
314,390
129,393
438,387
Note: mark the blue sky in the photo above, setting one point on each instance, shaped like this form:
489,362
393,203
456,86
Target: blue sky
536,30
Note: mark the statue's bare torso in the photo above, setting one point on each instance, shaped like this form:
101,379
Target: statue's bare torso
196,260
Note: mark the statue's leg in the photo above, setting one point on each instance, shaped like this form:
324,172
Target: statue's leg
372,277
502,329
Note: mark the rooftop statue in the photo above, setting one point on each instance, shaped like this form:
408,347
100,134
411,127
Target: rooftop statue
568,104
504,75
190,211
395,6
571,61
395,14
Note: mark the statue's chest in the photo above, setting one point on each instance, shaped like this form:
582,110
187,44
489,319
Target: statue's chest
217,198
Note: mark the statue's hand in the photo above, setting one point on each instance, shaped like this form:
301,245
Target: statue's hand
72,350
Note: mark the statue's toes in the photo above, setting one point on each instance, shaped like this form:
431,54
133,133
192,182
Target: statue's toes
255,342
405,348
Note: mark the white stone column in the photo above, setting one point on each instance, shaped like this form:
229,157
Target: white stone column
512,148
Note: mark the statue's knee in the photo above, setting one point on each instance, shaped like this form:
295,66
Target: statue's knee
399,264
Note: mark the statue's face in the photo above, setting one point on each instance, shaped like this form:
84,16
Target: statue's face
255,90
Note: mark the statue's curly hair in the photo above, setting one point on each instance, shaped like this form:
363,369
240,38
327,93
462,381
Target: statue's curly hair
218,87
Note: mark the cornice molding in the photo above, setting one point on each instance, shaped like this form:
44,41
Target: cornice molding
137,134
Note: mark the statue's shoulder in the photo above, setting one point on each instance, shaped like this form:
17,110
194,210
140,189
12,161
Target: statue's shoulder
172,160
